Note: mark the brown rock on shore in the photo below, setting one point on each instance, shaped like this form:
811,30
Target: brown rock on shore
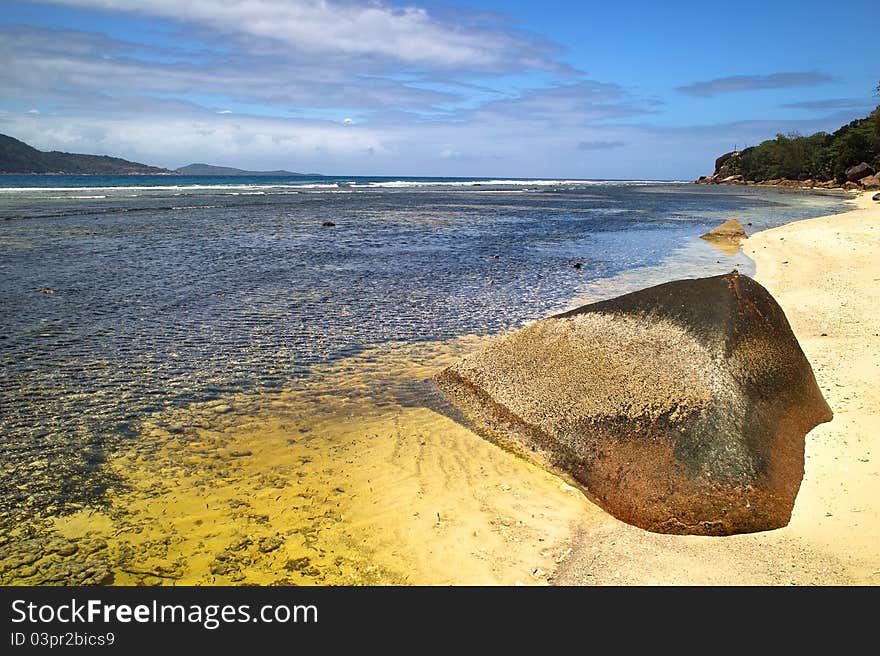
680,408
859,171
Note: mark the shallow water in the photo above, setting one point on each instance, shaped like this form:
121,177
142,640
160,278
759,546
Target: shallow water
129,313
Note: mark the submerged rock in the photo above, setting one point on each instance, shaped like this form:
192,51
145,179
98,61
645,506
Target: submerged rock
727,236
680,408
729,230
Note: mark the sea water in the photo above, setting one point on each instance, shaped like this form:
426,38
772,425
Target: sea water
129,298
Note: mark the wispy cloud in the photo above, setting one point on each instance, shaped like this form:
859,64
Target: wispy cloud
573,104
66,64
740,83
600,145
833,103
410,35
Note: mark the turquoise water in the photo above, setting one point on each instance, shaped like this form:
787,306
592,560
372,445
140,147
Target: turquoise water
121,296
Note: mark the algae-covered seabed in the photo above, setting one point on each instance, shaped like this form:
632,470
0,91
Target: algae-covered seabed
348,480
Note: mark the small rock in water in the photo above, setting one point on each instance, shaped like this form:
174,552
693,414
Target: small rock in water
578,265
328,224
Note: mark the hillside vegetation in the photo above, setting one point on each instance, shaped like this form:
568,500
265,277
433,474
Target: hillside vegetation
820,156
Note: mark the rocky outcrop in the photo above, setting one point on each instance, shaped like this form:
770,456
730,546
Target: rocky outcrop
680,408
780,182
870,182
859,171
721,161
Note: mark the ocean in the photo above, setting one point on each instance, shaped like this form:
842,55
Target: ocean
131,306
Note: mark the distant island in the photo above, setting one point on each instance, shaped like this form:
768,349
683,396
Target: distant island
848,158
18,157
208,169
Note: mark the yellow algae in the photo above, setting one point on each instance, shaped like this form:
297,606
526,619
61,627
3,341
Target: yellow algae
352,479
82,523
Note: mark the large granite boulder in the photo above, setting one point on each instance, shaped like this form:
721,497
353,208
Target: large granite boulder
859,171
680,408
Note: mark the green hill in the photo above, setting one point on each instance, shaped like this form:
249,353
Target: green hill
819,157
18,157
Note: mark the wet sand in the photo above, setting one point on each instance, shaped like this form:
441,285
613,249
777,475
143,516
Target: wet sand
825,273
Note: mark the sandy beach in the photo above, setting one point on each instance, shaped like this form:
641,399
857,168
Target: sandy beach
824,272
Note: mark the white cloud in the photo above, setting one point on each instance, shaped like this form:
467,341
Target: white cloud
172,140
37,61
363,29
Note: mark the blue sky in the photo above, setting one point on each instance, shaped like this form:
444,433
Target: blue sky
470,88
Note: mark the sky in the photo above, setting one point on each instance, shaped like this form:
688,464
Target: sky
474,88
